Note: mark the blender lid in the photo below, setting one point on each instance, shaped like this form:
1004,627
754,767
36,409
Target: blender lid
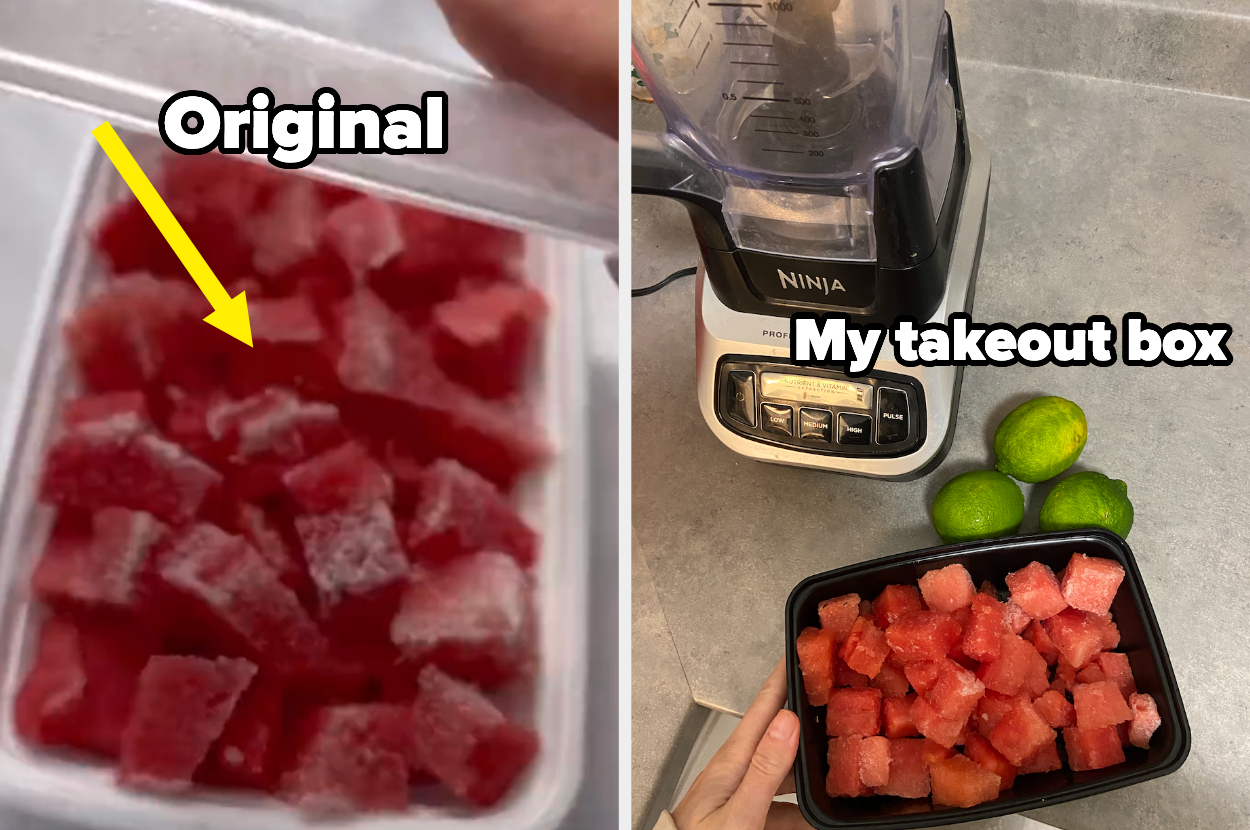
512,158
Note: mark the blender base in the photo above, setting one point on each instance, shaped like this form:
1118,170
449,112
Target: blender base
722,332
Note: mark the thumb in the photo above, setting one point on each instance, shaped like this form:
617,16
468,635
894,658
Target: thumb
771,763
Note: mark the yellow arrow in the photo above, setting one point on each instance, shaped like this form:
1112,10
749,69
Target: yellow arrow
229,315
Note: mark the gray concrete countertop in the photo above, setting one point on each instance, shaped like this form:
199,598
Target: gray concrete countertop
1106,197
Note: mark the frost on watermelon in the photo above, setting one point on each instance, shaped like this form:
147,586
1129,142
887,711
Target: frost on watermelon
947,589
365,233
891,681
357,567
1093,748
1020,732
865,648
981,751
396,390
894,602
1055,710
961,782
839,615
1077,635
1115,667
1145,720
1090,584
844,779
955,695
1036,591
814,648
118,463
1099,704
352,757
458,512
983,636
467,743
273,427
923,675
874,761
251,741
488,339
922,635
285,232
219,593
180,709
1015,618
473,618
263,533
853,711
80,686
896,719
940,730
909,773
99,566
341,479
130,407
1109,632
290,347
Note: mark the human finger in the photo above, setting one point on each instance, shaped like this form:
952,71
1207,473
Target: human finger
770,764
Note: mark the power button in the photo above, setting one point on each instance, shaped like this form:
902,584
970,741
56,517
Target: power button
740,397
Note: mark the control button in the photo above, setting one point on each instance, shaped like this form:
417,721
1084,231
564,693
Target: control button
778,419
854,429
892,421
816,425
740,397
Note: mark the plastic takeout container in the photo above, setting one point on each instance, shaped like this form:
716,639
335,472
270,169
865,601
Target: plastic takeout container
512,158
553,501
992,559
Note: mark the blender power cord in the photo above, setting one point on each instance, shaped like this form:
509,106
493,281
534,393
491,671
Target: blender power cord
673,277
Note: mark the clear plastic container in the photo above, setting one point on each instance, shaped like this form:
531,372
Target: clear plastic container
68,788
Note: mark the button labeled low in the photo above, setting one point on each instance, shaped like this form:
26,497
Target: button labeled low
778,419
816,425
854,429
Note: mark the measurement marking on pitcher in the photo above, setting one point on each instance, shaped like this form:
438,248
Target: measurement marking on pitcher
752,81
698,29
760,45
763,98
753,63
775,150
775,117
739,5
747,25
706,46
693,3
783,132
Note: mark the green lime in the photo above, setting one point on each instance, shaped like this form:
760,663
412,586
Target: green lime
1039,439
983,504
1088,500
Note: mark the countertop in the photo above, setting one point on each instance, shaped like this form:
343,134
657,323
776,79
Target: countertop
1107,196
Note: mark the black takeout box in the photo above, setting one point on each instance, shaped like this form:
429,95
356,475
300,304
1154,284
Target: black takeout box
990,559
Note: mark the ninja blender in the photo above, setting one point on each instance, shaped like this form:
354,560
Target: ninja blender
820,149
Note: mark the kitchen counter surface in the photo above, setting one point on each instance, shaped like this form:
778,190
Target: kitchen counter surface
1106,197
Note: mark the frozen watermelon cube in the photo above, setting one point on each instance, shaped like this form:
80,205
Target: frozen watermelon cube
466,742
1036,677
947,589
473,618
896,719
222,595
275,425
1076,634
1090,583
129,241
1090,674
1115,667
1109,631
853,711
934,752
120,464
357,565
922,635
100,568
895,602
250,743
844,675
1045,759
353,757
815,652
990,710
961,782
865,648
839,615
341,479
129,407
909,772
264,534
983,635
81,685
1020,733
956,692
1015,618
1099,704
1007,674
940,730
874,761
981,751
287,230
290,347
459,512
487,338
923,676
365,232
1145,720
891,681
844,779
180,710
1036,591
1092,748
1041,641
1055,709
